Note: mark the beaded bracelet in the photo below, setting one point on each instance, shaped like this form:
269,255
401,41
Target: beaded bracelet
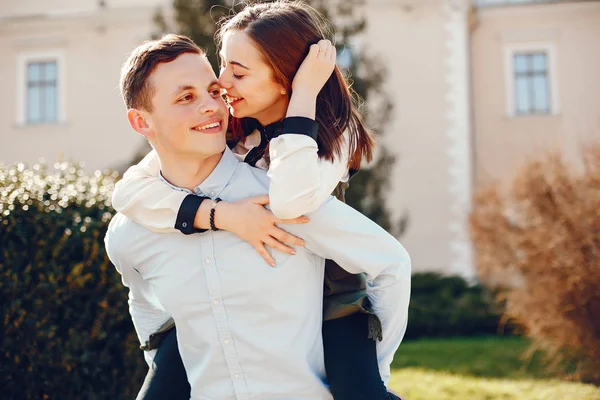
212,214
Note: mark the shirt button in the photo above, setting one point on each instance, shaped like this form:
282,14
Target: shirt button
207,261
226,341
216,302
212,194
184,224
237,376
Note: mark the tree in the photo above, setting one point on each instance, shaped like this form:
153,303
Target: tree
197,19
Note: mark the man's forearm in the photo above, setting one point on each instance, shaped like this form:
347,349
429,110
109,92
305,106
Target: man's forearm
389,295
357,244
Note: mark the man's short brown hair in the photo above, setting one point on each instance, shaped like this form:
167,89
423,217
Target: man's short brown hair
136,89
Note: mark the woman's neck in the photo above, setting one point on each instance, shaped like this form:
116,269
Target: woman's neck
273,114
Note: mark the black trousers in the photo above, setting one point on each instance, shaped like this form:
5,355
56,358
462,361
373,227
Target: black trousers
351,360
166,379
350,363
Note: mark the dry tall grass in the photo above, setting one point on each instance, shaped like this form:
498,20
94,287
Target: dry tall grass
540,235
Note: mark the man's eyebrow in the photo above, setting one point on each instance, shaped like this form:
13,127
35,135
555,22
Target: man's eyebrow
182,88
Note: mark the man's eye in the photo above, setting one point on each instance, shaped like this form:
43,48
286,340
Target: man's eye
187,97
215,92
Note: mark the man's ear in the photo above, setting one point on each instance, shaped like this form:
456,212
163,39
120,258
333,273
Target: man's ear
139,121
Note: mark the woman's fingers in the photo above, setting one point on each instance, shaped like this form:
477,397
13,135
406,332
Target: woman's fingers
324,48
293,221
277,245
262,250
314,51
286,237
333,54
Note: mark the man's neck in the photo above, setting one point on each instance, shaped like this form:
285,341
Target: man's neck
187,172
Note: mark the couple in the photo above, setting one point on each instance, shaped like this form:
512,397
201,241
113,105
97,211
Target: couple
216,321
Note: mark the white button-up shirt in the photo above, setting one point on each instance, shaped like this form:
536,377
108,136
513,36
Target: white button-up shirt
246,330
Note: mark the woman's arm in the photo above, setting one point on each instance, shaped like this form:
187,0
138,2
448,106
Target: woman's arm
147,199
300,180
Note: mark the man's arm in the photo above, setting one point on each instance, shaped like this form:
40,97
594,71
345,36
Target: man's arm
357,244
145,309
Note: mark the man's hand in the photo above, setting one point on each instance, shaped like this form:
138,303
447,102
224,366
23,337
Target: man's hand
249,220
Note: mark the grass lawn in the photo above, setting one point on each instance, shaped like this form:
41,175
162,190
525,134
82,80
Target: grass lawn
487,368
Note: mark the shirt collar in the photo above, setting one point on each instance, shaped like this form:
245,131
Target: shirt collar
269,131
214,184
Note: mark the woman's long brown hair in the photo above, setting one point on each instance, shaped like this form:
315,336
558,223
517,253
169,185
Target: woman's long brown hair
283,32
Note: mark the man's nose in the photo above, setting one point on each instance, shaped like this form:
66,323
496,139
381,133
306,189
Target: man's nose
210,105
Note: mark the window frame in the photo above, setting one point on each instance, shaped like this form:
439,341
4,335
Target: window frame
23,60
510,51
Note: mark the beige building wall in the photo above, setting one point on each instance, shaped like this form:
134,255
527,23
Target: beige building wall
570,33
424,46
91,44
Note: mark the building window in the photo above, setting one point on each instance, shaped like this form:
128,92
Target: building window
532,91
40,88
42,92
531,79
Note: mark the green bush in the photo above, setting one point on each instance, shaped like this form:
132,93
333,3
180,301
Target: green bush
449,306
66,331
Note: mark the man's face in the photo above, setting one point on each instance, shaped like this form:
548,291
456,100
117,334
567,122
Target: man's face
189,117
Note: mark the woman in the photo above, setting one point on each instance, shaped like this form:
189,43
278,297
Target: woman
279,97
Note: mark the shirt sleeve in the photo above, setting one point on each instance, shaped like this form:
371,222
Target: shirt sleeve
146,311
300,180
338,232
148,200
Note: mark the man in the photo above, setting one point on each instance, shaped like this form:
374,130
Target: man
244,330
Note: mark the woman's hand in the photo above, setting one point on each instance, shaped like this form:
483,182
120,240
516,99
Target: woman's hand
249,220
316,68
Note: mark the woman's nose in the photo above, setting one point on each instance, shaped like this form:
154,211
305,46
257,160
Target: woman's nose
224,79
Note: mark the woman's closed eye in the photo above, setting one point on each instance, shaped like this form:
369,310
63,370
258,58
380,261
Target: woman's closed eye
237,76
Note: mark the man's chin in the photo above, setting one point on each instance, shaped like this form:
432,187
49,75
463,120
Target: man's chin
213,150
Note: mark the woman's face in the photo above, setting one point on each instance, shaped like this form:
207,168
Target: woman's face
248,81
